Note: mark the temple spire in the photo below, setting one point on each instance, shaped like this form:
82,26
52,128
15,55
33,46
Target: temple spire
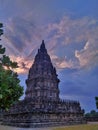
42,47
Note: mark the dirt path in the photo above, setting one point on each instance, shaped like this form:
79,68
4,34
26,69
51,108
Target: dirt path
16,128
92,122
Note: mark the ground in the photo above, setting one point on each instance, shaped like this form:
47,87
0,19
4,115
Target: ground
89,126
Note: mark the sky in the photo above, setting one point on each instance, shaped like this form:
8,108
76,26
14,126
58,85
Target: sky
70,31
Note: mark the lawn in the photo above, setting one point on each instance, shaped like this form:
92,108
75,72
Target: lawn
79,127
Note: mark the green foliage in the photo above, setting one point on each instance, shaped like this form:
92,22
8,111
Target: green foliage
1,30
10,89
8,63
96,98
2,50
92,113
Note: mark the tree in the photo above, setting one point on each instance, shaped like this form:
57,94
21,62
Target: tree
1,30
10,89
92,113
96,98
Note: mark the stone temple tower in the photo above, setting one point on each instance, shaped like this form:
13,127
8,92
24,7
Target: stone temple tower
42,82
42,106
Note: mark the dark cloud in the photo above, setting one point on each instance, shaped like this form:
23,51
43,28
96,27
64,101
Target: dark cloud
73,88
94,72
80,85
67,71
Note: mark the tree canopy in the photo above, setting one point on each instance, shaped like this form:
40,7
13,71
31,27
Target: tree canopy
10,89
92,113
1,30
96,98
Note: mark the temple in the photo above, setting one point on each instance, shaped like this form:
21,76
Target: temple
42,82
42,105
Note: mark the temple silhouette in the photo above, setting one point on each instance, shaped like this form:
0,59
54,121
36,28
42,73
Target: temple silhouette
42,105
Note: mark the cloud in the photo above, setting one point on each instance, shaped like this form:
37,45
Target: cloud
76,31
88,56
61,63
71,42
24,64
23,37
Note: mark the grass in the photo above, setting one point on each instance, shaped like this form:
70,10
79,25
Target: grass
79,127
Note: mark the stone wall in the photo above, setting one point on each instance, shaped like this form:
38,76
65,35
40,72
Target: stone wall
42,120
